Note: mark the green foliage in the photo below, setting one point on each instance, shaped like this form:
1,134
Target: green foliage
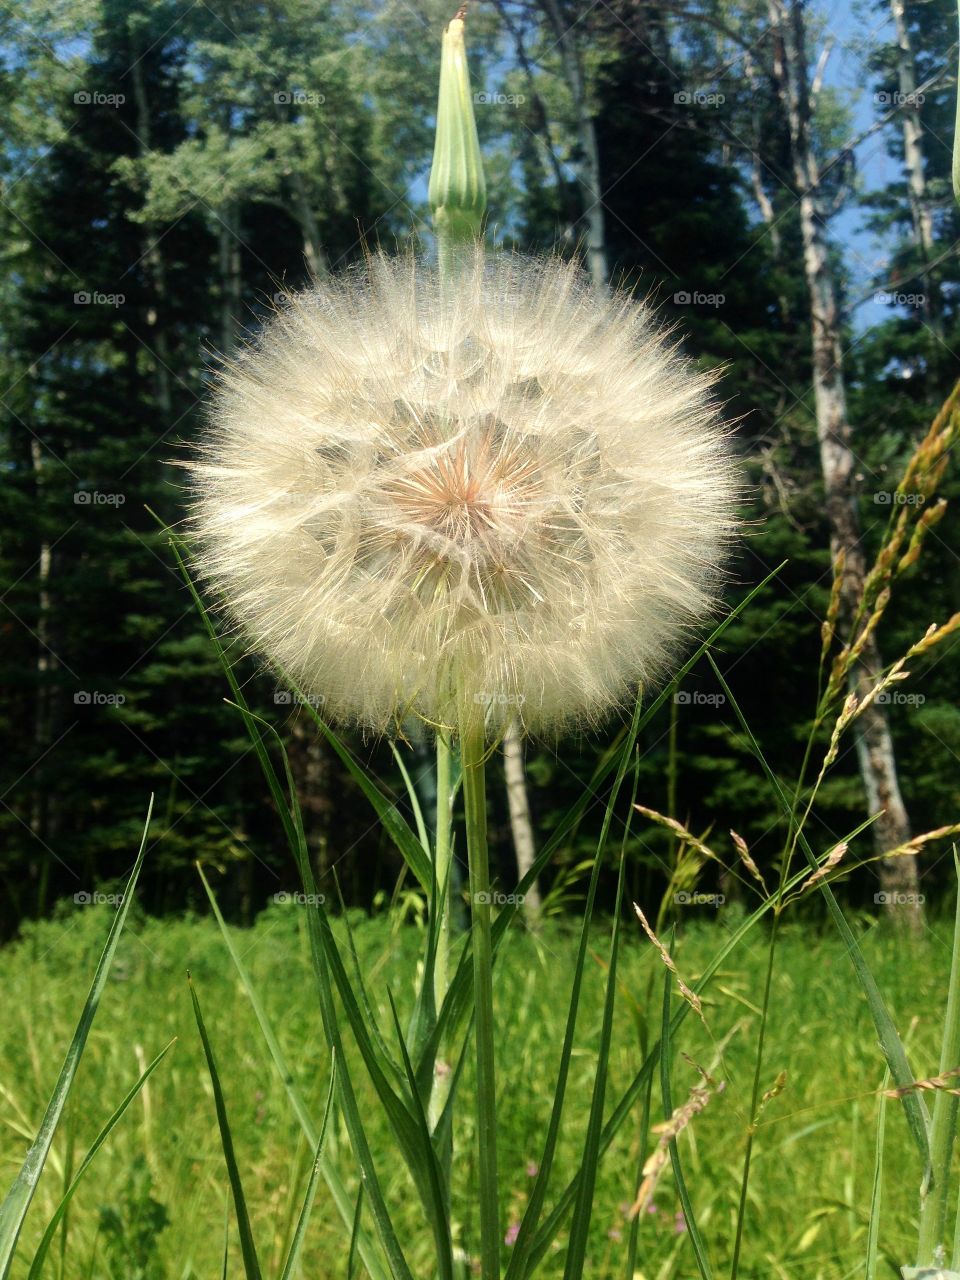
250,143
816,1145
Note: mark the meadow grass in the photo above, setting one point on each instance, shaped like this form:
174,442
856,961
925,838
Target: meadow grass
155,1202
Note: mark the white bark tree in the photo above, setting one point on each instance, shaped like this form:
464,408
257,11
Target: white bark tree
875,748
521,824
565,34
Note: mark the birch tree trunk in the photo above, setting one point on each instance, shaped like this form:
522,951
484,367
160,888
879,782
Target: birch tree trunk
588,166
913,159
875,750
520,821
309,227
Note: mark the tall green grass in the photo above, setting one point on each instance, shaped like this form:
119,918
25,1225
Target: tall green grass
811,1188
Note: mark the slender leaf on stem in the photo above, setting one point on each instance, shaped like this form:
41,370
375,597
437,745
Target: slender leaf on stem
352,1254
876,1194
666,1061
413,798
51,1229
518,1261
338,1191
289,812
933,1205
583,1209
363,997
633,1241
324,955
348,1100
296,1244
439,1201
247,1247
472,752
323,950
13,1211
890,1042
414,854
226,1236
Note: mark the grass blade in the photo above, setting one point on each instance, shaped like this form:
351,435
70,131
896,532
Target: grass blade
644,1075
873,1226
666,1060
890,1042
13,1211
352,1255
334,1183
933,1196
301,1232
386,810
247,1248
51,1230
413,798
288,810
439,1205
518,1261
583,1209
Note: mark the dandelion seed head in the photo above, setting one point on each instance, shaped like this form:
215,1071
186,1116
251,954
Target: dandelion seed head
503,492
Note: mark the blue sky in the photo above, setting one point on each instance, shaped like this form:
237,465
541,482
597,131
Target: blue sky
857,29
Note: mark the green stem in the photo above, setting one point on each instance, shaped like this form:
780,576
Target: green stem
785,862
475,815
442,860
441,977
755,1097
933,1203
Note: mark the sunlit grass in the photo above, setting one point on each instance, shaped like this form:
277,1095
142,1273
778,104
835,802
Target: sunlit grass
813,1155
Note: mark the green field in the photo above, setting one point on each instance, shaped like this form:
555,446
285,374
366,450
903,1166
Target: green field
154,1202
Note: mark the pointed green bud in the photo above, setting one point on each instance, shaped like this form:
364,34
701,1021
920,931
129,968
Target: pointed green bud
458,192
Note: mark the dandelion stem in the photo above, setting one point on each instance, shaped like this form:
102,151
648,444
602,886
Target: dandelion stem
441,906
442,866
472,750
933,1203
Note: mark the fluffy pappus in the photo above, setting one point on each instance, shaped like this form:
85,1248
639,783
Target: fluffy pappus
500,495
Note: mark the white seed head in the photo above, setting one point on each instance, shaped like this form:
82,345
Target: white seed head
502,492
